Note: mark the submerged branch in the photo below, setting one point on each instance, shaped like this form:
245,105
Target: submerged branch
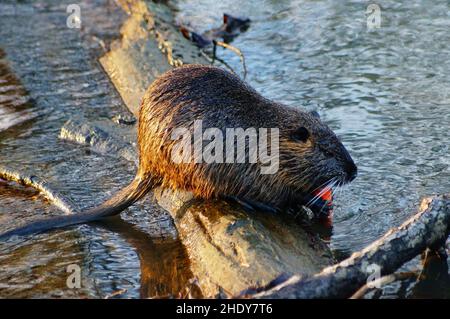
59,200
429,228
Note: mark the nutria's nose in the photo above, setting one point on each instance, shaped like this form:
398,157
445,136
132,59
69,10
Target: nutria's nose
348,165
351,170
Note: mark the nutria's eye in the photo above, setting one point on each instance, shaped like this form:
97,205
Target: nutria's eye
301,134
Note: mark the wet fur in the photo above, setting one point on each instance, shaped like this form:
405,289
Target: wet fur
221,100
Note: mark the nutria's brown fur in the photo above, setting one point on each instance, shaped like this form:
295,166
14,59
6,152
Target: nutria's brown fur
310,153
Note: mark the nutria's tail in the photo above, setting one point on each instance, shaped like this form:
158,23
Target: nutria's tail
113,206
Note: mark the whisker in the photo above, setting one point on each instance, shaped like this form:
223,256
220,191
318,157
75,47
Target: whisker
317,196
326,182
331,186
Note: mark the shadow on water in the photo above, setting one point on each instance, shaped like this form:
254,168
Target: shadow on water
37,266
164,263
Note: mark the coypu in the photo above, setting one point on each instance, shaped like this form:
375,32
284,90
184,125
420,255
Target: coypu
310,154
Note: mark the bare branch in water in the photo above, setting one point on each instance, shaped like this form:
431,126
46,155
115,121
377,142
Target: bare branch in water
235,50
59,200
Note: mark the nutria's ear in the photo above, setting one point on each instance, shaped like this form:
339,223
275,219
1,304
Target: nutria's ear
315,114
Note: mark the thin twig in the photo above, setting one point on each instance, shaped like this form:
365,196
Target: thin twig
116,293
207,57
235,50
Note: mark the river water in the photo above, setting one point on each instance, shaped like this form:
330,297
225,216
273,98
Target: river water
384,91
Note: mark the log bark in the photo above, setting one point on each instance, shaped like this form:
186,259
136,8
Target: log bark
429,228
383,281
150,45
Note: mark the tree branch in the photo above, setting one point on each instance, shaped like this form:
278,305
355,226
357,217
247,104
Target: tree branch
376,284
59,200
429,228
